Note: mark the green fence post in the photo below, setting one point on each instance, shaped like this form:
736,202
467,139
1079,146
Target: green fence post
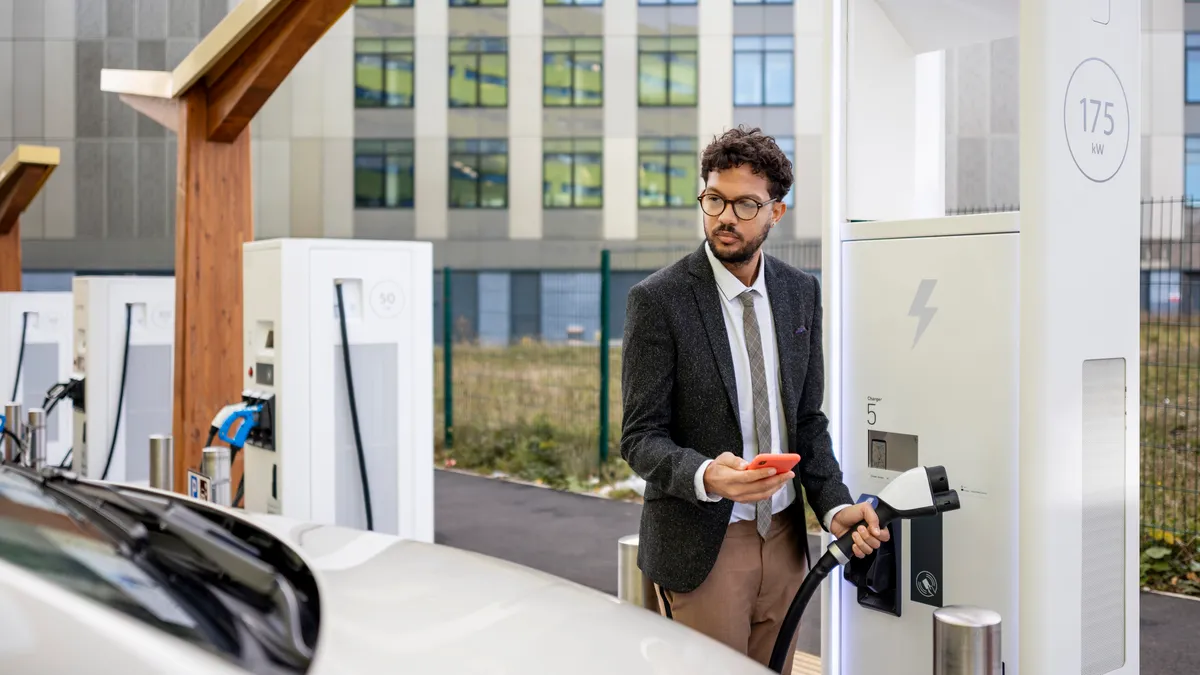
447,361
605,288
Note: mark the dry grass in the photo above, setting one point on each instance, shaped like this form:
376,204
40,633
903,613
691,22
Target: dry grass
532,411
1170,427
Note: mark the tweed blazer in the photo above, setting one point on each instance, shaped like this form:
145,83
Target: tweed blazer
681,408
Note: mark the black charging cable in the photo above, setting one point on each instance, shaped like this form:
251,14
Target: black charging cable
20,446
120,393
362,460
20,356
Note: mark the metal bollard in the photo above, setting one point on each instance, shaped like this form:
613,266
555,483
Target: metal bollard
215,463
12,422
35,433
633,586
162,463
966,641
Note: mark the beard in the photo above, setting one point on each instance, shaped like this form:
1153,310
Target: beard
738,253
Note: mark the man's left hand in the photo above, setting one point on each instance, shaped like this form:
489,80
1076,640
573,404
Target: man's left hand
867,537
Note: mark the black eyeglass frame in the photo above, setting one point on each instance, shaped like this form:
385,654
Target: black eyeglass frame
728,202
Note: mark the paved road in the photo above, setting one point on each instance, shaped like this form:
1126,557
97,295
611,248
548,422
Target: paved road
575,537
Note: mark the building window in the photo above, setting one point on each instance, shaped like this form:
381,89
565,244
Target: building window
668,173
572,173
1192,95
580,3
762,2
667,71
666,2
478,72
478,3
788,145
572,74
1191,169
383,174
479,173
383,73
384,3
762,70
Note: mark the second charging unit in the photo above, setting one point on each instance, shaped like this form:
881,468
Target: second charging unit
124,355
321,445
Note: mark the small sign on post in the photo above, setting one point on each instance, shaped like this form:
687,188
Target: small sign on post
199,486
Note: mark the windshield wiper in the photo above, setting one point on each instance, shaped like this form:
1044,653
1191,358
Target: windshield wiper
230,557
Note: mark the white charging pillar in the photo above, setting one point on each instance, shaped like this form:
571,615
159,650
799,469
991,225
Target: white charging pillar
303,462
37,340
130,370
1033,314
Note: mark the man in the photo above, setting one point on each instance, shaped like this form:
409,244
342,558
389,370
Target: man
722,361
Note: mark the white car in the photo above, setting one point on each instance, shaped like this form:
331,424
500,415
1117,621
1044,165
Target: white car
104,578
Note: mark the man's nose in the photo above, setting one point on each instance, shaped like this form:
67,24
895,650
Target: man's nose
727,216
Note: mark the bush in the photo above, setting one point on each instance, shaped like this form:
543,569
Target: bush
1170,564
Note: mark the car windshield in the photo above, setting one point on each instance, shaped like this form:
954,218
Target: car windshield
43,536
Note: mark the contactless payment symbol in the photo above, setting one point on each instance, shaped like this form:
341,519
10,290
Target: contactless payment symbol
1096,120
926,584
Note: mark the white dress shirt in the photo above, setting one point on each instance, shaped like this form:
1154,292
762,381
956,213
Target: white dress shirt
730,288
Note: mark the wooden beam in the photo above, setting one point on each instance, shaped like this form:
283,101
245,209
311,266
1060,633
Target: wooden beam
10,259
214,218
242,90
215,92
22,175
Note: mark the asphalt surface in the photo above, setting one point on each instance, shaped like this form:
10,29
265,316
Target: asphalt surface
575,537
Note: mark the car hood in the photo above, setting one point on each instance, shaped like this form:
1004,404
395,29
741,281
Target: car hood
394,605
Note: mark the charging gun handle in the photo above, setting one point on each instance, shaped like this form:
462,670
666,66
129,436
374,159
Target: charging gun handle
843,548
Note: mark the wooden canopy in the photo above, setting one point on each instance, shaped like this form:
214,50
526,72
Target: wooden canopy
22,176
208,101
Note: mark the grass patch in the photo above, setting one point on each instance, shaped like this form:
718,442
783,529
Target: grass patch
531,411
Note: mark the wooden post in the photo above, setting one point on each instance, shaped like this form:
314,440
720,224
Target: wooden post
209,101
22,176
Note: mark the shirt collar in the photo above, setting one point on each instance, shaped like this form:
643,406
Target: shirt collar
728,284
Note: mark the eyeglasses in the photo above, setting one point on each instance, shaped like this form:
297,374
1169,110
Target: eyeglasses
744,208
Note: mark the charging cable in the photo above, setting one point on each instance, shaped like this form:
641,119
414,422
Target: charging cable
21,357
362,461
221,424
5,431
120,393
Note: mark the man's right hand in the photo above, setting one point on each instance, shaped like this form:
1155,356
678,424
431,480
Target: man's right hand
726,476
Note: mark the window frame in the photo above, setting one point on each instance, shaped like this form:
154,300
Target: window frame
693,154
572,53
479,54
664,3
572,3
384,56
471,4
574,154
669,52
762,52
1188,49
407,149
478,156
1191,146
385,4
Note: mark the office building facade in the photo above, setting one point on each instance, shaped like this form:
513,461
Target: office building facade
516,134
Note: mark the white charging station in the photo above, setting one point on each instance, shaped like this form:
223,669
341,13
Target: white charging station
1003,347
302,461
35,355
107,357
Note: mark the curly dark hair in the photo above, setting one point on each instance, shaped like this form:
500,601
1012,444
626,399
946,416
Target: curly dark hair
753,148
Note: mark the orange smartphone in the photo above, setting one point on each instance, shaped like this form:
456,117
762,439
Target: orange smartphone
781,462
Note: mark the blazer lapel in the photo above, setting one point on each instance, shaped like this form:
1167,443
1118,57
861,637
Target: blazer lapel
708,303
787,324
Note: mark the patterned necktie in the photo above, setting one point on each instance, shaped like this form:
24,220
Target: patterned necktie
762,409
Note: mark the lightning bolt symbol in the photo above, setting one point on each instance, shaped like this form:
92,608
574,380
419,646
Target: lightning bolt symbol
921,309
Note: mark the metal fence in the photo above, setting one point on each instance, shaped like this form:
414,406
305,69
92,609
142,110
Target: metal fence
525,388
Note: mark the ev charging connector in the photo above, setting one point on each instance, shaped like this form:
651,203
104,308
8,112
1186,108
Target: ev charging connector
917,493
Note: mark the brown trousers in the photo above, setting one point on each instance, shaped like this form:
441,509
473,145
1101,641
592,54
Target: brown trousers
747,594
